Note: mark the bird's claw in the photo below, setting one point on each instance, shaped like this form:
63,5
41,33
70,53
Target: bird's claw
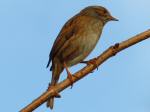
92,61
55,94
70,77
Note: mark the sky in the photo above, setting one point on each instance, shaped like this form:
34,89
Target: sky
28,29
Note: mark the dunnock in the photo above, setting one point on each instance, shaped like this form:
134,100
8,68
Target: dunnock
76,40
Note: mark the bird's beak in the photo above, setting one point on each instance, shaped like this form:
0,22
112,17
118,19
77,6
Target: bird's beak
114,19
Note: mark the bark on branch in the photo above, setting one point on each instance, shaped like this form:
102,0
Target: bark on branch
111,51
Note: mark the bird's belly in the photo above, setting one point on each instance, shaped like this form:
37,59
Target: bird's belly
90,42
86,44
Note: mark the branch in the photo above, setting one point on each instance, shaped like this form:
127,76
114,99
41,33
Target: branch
111,51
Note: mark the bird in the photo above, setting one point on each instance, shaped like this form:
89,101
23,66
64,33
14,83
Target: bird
77,38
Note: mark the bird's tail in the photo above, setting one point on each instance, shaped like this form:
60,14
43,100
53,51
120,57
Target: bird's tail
56,71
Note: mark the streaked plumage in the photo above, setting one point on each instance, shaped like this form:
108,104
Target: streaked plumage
76,40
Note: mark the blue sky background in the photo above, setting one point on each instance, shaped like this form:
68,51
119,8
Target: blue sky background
28,29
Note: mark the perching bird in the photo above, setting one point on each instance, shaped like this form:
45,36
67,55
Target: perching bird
76,40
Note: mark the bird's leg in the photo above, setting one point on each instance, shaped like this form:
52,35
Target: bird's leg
70,76
92,61
56,94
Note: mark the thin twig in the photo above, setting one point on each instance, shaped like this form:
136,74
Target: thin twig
111,51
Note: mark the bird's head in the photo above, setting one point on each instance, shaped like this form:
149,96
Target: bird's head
98,12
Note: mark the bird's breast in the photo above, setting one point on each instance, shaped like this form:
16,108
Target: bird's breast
91,35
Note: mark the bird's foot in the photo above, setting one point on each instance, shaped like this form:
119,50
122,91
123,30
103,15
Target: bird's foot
69,75
92,61
56,94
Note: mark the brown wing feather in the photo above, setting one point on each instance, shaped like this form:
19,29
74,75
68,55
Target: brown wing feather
65,34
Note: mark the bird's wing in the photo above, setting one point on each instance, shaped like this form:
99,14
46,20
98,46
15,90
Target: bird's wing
65,34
